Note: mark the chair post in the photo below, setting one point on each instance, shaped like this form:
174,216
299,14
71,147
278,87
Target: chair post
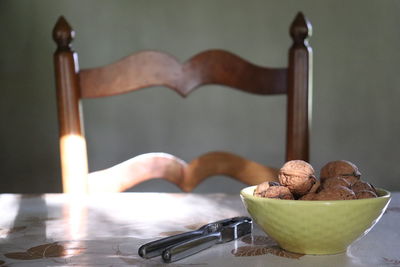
299,90
73,152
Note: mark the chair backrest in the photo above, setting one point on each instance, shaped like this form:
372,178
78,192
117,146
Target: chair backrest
151,68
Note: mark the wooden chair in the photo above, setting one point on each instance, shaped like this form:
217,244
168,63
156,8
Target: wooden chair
151,68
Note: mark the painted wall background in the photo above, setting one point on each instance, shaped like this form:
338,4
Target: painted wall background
355,98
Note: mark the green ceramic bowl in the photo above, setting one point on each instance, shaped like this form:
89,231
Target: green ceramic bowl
315,227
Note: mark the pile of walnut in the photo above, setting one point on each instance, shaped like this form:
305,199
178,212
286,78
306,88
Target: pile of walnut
339,180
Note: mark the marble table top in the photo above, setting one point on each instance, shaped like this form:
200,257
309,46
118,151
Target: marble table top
107,230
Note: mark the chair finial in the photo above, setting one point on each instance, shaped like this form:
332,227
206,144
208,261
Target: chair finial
300,29
63,34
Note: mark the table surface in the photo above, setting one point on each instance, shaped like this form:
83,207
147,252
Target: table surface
107,230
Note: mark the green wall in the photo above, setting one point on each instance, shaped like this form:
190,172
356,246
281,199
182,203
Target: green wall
355,98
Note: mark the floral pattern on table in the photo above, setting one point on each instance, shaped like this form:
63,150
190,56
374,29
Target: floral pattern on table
50,250
262,245
46,230
391,262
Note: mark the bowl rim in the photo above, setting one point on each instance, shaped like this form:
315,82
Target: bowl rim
384,194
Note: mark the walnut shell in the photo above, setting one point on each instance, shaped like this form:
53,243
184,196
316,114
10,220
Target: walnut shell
339,168
315,187
309,196
298,176
335,181
365,194
280,192
335,193
351,179
262,188
361,186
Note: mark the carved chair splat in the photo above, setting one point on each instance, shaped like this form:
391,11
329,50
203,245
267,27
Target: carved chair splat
153,68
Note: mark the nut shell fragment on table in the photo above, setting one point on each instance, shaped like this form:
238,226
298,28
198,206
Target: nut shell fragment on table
298,176
342,168
335,193
262,188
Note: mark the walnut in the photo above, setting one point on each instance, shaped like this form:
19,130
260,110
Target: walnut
298,176
315,187
335,193
280,192
261,188
351,179
361,185
309,196
339,168
340,180
335,181
365,194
